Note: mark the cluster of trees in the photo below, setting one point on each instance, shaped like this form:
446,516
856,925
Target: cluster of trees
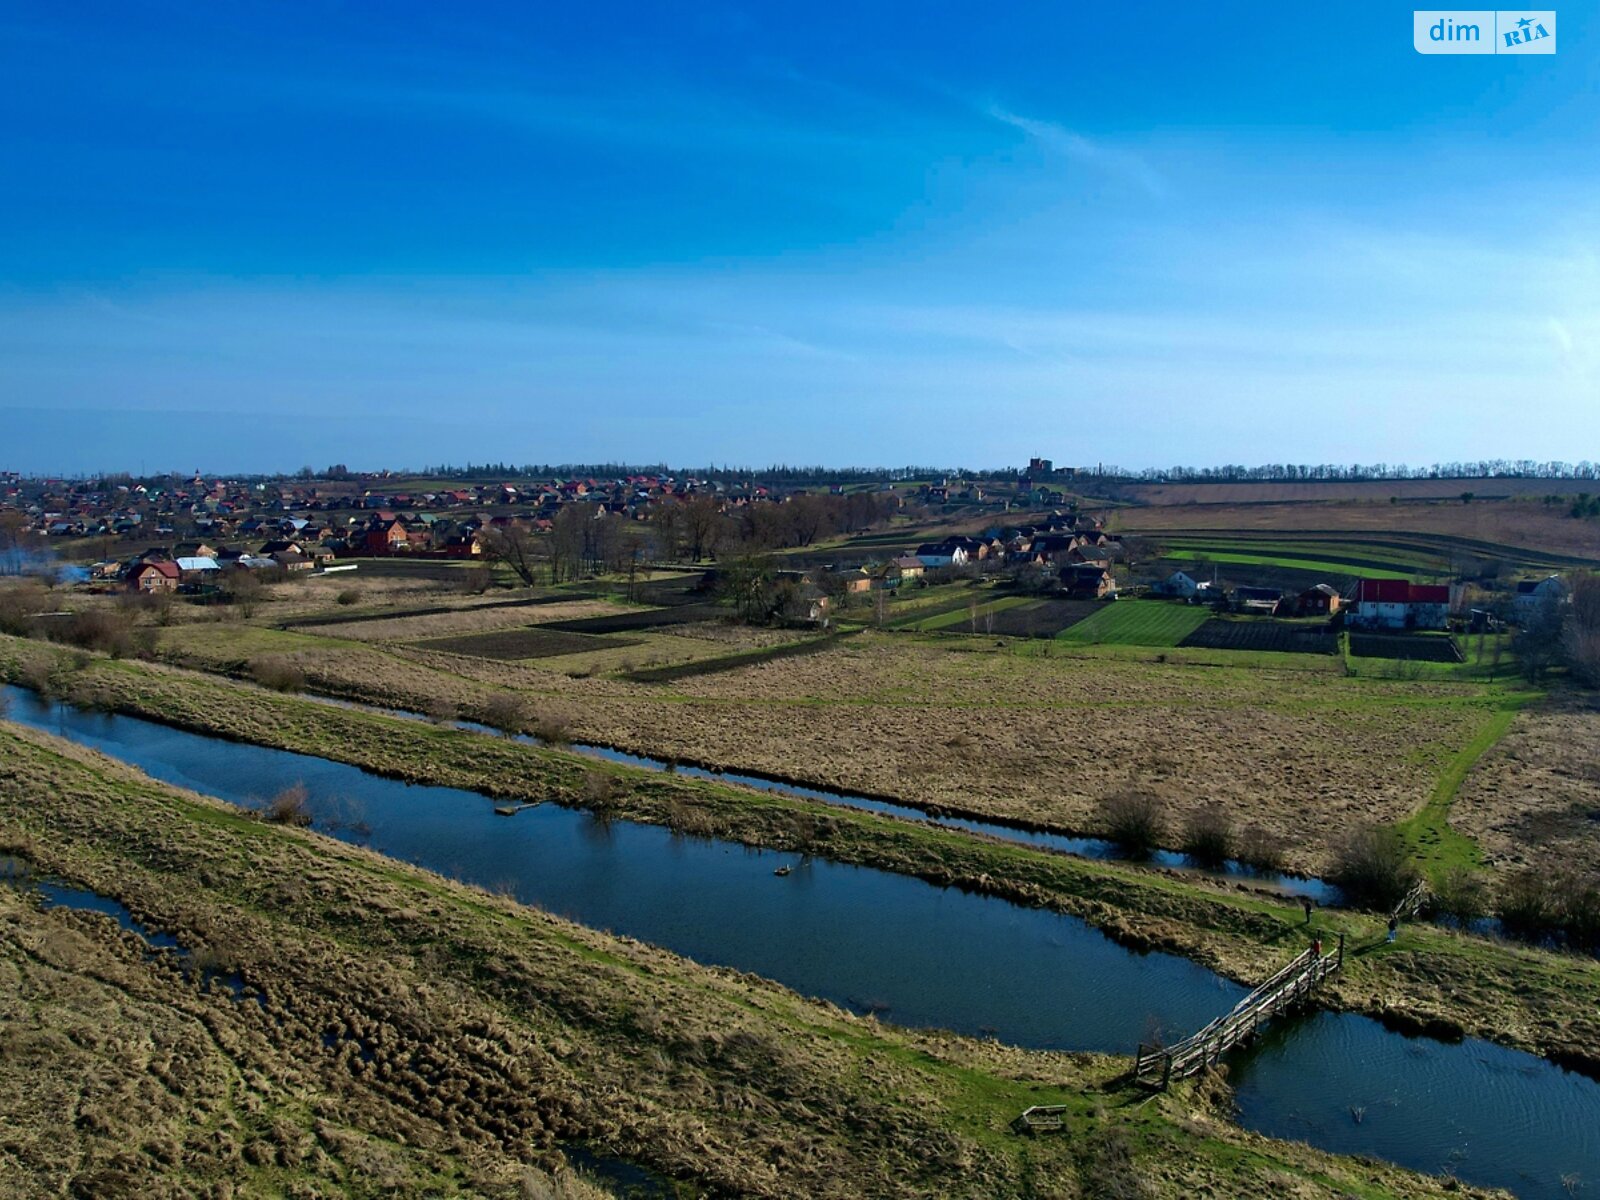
798,521
582,540
586,540
1564,634
1497,468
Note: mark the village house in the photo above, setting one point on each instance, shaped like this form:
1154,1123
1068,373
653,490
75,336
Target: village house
154,577
1179,584
857,581
899,570
942,554
1086,581
1534,594
1399,604
1320,601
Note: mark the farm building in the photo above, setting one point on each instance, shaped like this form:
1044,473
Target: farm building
1087,582
198,568
859,580
1257,600
1533,594
1399,604
907,566
1320,601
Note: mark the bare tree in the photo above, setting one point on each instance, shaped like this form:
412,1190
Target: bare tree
702,519
517,547
1581,633
666,520
569,534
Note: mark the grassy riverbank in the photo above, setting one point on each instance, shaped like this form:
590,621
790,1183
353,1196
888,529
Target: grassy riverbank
1433,978
402,1034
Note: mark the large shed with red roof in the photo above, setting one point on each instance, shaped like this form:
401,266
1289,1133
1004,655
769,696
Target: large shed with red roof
1399,604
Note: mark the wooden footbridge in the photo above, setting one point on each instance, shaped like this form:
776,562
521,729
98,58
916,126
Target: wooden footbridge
1157,1066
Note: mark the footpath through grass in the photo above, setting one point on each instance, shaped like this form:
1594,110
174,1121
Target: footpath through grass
1137,623
1436,847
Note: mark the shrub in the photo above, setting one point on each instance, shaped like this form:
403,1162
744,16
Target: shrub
599,789
1110,1171
1374,868
1525,904
1208,835
507,712
105,630
552,728
1133,820
1579,899
441,711
19,604
50,679
279,674
1260,849
289,807
347,597
1462,894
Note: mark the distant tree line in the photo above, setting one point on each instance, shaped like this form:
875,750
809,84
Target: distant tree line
1496,468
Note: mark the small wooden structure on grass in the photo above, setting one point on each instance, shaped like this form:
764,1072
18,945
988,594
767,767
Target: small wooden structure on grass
1041,1118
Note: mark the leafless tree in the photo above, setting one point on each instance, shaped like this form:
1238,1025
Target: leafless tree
1581,635
517,547
702,519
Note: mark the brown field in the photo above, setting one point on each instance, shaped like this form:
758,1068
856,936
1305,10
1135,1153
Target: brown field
525,643
1372,490
1507,523
468,618
1044,739
1000,732
1534,799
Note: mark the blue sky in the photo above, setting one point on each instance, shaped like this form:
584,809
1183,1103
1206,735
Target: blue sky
255,236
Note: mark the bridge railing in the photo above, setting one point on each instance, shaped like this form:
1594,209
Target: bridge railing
1157,1066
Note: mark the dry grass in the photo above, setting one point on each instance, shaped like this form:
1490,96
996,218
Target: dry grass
1534,799
1048,739
470,617
418,1037
1307,755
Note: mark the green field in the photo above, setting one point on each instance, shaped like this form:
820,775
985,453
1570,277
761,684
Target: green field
1137,623
1341,570
1340,551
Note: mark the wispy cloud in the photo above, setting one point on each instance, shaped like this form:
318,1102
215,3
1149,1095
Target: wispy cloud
1112,161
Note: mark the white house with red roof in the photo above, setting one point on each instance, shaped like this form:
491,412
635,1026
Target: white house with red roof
1399,604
